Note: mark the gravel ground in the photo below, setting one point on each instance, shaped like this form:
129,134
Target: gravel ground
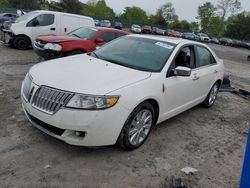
210,140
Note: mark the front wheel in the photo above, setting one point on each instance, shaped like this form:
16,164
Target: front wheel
212,95
137,127
21,43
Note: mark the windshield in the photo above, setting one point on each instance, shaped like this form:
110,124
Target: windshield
84,33
137,26
137,53
26,16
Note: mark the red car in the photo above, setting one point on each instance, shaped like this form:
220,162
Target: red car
147,29
174,34
82,40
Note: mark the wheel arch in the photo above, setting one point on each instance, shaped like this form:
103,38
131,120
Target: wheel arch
22,35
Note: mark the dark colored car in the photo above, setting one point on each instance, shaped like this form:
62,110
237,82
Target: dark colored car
82,40
214,40
189,36
7,17
118,25
226,41
147,29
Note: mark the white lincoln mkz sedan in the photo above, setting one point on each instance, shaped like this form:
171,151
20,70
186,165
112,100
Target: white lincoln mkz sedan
119,92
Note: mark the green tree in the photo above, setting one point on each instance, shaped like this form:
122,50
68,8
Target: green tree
134,14
183,25
216,26
71,6
194,27
23,4
238,26
4,3
98,9
158,19
205,13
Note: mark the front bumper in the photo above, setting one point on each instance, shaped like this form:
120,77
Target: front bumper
99,128
6,35
44,53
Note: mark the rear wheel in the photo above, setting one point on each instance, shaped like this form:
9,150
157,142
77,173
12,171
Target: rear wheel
137,127
21,43
212,95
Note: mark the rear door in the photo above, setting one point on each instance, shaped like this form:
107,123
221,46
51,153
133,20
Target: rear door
44,24
207,70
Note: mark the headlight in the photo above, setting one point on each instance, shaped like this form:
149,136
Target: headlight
92,102
52,46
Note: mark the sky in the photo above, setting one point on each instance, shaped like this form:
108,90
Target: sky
185,9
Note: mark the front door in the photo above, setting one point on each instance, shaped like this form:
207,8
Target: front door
44,24
181,92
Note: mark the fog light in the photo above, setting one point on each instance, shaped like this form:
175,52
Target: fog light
80,133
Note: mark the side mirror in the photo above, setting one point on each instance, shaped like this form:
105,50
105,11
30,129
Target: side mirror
99,40
182,71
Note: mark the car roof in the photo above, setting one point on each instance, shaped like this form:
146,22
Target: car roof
172,40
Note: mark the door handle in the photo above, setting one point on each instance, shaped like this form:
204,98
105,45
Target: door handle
196,77
215,71
52,29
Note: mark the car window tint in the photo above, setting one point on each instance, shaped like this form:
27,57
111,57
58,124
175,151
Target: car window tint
108,36
119,34
45,19
205,57
185,58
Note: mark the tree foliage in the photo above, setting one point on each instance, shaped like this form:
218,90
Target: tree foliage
205,13
238,26
98,9
134,14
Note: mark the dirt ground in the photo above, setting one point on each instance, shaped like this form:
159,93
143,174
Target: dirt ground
210,140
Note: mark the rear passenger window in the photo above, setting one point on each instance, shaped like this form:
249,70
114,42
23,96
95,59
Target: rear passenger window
205,57
107,37
45,19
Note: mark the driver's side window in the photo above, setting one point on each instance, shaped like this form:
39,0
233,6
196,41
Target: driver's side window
184,58
42,20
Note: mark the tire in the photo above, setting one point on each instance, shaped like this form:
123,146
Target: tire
76,52
137,127
248,58
21,43
212,95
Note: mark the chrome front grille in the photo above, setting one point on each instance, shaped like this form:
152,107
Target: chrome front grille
50,100
27,92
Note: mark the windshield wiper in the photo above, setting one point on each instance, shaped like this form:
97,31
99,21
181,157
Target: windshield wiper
75,35
126,65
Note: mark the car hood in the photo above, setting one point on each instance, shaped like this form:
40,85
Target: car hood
85,74
58,39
